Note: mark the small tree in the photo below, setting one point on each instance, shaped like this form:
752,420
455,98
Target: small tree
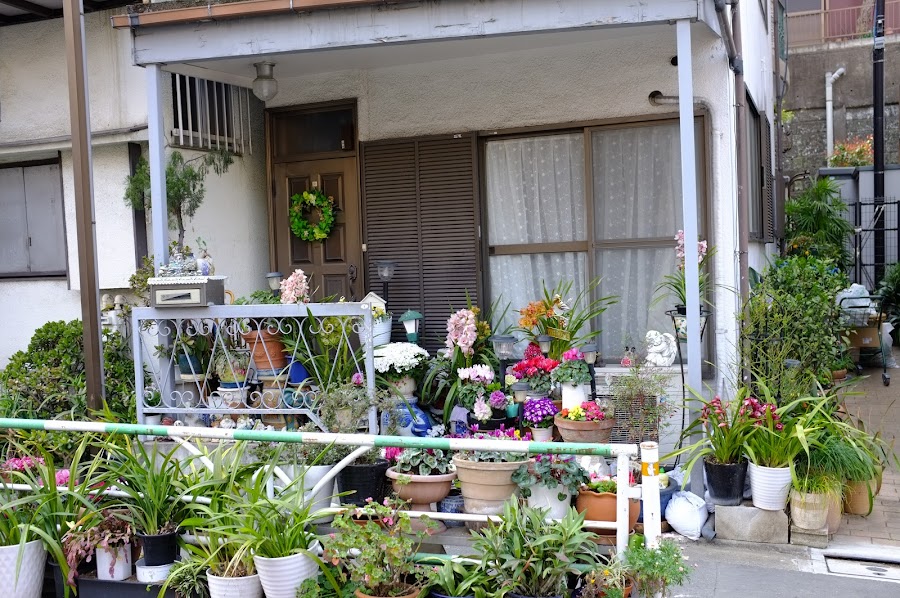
184,185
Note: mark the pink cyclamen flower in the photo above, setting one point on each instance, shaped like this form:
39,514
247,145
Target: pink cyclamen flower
573,354
357,378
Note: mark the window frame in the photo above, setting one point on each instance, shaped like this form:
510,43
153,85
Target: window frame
591,245
761,199
46,274
201,131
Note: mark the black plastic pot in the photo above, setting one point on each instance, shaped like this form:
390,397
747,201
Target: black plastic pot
363,481
493,423
159,549
91,587
725,482
682,309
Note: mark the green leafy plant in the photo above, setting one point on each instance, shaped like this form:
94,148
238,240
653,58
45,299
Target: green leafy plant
858,151
571,371
781,434
154,482
889,289
47,379
463,577
110,531
564,317
815,225
675,285
525,565
502,433
188,579
608,580
318,587
656,569
722,428
414,461
639,398
185,188
376,554
553,471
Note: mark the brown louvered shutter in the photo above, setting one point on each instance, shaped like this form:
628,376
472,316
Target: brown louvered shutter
420,211
767,191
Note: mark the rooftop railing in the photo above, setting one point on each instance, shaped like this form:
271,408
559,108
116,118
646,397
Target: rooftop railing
810,28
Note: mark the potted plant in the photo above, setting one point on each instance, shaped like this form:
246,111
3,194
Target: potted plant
597,500
22,554
108,540
572,374
551,482
153,482
655,570
535,369
609,580
637,397
231,366
277,532
811,491
263,336
723,428
476,387
190,352
422,477
459,579
400,364
563,320
588,422
524,567
375,555
538,415
187,578
674,284
859,495
486,476
778,436
381,326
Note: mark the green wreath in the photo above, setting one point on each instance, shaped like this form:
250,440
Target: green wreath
312,200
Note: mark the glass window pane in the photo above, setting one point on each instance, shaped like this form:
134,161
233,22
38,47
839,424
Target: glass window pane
632,275
518,279
535,189
637,181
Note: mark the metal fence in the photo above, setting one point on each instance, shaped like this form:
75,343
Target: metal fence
201,364
813,27
875,244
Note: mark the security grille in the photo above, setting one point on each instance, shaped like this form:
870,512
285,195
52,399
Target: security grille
210,115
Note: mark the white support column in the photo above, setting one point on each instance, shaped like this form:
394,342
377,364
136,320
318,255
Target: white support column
689,210
650,493
623,502
157,135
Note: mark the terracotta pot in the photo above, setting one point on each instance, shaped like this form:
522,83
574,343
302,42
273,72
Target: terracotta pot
361,594
267,350
574,431
486,486
839,375
860,497
422,490
601,506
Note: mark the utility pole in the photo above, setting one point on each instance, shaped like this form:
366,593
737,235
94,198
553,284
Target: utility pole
878,134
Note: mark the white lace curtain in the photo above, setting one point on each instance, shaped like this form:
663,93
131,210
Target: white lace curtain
536,194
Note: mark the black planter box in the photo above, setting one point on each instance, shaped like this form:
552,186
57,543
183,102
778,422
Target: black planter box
91,587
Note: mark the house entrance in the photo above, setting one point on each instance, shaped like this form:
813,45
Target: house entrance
315,148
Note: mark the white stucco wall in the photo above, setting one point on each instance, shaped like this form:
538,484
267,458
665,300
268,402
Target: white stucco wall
33,79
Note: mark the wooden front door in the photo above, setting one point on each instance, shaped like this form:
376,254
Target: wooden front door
334,264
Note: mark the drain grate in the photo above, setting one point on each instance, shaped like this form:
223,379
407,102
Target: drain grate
875,570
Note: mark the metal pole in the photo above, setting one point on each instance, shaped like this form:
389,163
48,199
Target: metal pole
79,116
878,132
157,160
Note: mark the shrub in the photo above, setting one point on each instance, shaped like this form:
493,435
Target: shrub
815,223
853,152
47,379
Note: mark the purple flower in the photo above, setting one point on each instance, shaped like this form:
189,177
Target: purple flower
539,413
357,378
498,400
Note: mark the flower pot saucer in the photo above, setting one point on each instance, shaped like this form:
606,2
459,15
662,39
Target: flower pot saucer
191,377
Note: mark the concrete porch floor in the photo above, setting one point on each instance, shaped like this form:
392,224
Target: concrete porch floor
879,408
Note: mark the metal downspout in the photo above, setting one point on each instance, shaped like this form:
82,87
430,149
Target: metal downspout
830,78
743,182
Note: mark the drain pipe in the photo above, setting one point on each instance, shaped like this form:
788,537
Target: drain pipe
830,78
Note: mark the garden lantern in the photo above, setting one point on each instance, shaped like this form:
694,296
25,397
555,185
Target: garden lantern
274,280
412,322
385,269
503,348
520,391
590,357
544,341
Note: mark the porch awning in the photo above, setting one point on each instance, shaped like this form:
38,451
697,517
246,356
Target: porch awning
261,27
16,12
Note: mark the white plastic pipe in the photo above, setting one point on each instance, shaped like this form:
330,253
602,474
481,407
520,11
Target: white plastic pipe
830,78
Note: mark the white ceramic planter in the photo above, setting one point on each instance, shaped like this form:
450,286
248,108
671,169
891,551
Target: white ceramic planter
809,511
769,486
381,332
542,434
548,498
282,577
29,579
157,574
406,386
107,570
572,395
234,587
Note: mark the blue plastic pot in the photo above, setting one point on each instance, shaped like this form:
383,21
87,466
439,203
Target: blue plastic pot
297,374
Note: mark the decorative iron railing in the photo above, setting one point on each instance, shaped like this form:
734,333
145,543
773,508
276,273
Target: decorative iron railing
268,362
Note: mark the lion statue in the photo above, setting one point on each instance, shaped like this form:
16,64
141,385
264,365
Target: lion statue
661,348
